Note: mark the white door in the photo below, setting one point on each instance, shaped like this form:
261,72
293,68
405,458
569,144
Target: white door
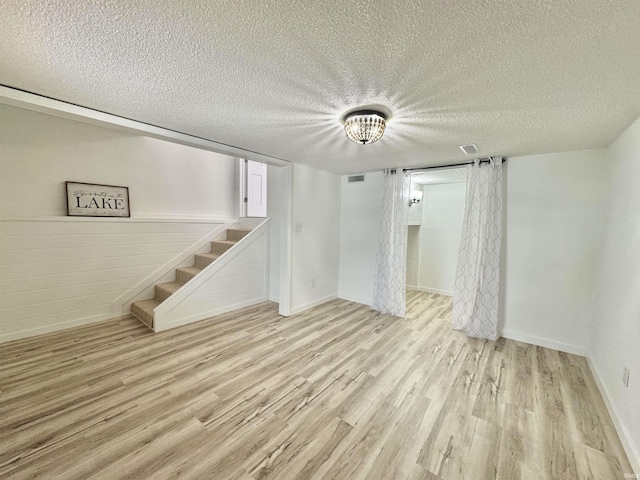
256,198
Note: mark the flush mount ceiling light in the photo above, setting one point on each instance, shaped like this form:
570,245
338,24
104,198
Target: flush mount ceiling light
365,126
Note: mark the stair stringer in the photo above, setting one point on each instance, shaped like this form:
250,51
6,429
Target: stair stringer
237,279
166,273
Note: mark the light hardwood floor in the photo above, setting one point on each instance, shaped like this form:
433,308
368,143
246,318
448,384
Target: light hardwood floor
334,393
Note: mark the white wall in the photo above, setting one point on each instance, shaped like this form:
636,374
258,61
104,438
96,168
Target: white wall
360,213
360,221
414,218
550,244
40,152
553,213
316,248
276,213
413,255
414,214
58,271
443,209
615,337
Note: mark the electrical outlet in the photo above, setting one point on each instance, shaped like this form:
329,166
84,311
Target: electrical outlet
625,376
298,226
313,282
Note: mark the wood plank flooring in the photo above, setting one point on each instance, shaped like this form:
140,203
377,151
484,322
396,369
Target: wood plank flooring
337,392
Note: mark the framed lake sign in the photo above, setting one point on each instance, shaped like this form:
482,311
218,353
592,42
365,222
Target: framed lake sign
91,200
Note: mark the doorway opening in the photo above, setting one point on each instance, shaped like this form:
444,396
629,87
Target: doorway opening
253,188
435,229
264,190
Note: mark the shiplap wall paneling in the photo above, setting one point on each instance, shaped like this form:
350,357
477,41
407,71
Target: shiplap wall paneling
58,274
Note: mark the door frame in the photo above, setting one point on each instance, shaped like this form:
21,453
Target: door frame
286,232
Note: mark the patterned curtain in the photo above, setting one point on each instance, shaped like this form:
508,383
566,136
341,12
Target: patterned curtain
475,296
389,287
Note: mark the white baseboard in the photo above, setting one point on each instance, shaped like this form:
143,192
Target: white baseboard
208,314
363,301
315,303
544,342
430,290
8,337
633,454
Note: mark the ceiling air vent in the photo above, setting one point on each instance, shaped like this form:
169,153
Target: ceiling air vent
356,178
469,149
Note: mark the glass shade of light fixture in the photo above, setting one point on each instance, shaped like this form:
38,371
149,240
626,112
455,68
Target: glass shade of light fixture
416,196
364,126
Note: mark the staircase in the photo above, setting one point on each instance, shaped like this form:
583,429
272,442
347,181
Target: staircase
143,309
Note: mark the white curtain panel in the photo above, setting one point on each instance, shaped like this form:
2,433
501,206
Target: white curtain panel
475,296
390,281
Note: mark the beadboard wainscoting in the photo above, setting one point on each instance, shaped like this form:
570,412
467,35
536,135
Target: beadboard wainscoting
66,272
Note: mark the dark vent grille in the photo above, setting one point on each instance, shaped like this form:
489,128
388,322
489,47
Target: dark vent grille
356,178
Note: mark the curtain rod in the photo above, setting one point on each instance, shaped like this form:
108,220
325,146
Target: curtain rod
451,165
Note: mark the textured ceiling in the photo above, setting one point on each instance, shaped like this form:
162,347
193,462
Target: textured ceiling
514,77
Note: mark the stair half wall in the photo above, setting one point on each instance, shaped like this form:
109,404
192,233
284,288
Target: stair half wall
234,274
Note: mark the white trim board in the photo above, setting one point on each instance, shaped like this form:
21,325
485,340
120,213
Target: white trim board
632,453
58,327
315,303
201,316
362,301
149,218
286,243
544,342
430,290
50,106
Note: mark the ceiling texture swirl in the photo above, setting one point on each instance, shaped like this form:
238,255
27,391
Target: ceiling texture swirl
515,77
